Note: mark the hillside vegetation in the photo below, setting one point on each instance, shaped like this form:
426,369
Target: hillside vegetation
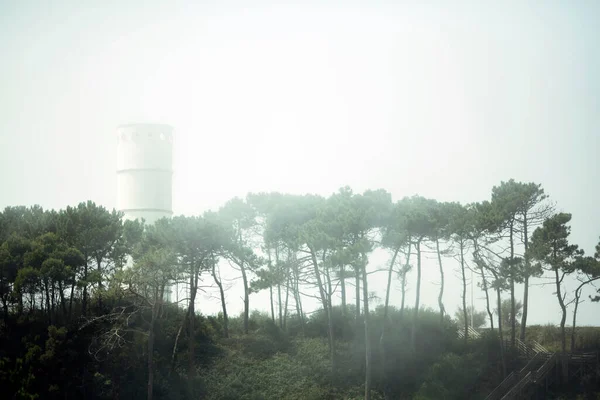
86,310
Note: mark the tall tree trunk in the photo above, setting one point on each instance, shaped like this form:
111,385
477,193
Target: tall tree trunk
487,298
357,284
194,276
563,308
63,305
287,297
174,352
280,305
158,294
563,334
246,298
53,297
223,302
513,319
99,264
330,315
403,290
441,295
573,327
417,298
367,336
85,287
278,278
47,291
387,291
464,294
385,326
272,304
271,271
5,307
298,296
526,280
326,306
501,335
343,288
577,296
71,297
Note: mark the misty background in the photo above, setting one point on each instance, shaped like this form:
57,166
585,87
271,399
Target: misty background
441,101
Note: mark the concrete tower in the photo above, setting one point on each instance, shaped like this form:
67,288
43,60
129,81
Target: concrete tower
145,171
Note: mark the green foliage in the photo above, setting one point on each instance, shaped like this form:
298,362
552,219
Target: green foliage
451,377
479,317
78,323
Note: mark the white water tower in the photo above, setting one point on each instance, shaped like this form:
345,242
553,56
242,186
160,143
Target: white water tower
145,171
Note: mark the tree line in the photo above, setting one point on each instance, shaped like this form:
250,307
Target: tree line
67,264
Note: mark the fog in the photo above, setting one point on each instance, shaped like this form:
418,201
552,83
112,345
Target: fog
444,102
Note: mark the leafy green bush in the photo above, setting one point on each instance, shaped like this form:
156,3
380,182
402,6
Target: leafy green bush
451,377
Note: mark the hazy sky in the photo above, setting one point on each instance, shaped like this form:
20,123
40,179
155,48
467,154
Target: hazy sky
443,101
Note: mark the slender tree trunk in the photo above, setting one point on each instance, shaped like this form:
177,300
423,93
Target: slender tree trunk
271,270
577,296
403,288
573,327
287,297
343,288
280,305
223,302
326,306
330,316
246,298
155,307
563,307
194,276
526,280
501,335
403,273
464,294
53,297
20,304
441,295
278,279
47,291
85,287
151,360
513,319
298,296
487,298
417,298
563,319
5,307
367,336
99,264
385,326
63,305
357,284
387,291
71,297
272,304
174,352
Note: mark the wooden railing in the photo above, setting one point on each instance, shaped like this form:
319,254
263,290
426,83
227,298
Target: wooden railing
505,385
538,347
473,334
546,368
583,358
538,358
519,387
516,383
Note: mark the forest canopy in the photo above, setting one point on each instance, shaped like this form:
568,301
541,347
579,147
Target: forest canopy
86,306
